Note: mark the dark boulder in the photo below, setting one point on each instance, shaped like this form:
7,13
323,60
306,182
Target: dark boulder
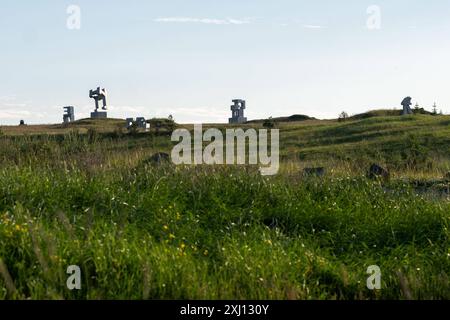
376,172
447,176
314,172
158,158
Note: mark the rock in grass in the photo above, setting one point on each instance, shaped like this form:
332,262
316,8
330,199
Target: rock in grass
447,177
314,172
158,158
376,172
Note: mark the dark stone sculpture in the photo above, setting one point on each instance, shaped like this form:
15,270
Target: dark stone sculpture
237,110
314,172
99,95
406,103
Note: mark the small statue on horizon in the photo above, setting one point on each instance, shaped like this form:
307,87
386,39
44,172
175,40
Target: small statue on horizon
406,103
98,95
237,109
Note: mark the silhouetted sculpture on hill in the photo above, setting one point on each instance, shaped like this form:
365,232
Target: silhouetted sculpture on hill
237,109
406,103
99,95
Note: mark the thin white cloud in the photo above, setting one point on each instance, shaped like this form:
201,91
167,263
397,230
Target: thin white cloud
181,114
227,21
312,26
12,109
12,114
16,105
195,114
7,98
132,109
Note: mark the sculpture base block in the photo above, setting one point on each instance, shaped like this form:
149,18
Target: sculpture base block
99,115
237,120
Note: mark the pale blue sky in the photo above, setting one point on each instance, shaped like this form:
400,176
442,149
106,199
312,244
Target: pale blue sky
190,58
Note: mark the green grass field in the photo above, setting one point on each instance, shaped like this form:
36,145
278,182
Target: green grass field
86,195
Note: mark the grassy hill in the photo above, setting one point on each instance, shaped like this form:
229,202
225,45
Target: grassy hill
293,118
419,142
387,113
82,126
88,194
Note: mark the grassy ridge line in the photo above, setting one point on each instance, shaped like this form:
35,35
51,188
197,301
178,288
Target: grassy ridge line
411,145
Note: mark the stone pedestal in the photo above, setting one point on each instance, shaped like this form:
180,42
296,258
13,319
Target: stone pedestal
237,120
99,115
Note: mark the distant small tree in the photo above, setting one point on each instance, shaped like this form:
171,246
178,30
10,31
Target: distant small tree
441,113
435,112
343,116
170,125
269,123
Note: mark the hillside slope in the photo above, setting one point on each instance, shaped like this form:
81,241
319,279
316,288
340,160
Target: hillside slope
418,142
